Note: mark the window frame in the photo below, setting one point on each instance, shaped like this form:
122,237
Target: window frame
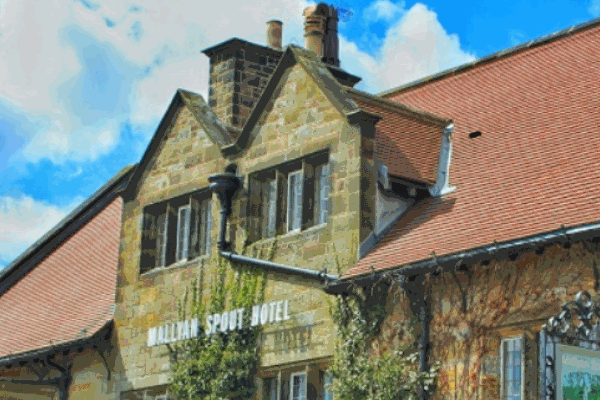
293,178
161,242
503,355
292,376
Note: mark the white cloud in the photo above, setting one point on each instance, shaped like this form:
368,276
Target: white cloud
383,10
23,220
58,142
80,70
49,73
415,46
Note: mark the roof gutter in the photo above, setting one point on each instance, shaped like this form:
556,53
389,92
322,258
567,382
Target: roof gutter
564,236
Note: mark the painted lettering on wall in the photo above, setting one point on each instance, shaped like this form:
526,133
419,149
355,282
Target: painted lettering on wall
262,314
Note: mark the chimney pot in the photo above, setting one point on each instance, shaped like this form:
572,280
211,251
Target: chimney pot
321,32
274,33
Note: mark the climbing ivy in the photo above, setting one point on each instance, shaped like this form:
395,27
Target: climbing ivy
220,366
223,366
368,363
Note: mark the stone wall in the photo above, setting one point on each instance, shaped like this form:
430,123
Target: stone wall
298,121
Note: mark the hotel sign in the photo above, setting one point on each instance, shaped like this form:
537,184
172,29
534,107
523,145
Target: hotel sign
262,314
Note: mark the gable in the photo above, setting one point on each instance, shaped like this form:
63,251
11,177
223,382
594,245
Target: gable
183,159
297,116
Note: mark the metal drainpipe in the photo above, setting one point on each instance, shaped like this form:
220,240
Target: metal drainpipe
424,345
225,186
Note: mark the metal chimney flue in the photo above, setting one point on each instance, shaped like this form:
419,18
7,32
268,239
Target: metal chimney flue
274,34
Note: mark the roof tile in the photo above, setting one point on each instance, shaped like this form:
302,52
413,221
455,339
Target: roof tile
536,165
69,295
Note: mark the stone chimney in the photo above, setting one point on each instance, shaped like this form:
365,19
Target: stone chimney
274,33
239,72
321,32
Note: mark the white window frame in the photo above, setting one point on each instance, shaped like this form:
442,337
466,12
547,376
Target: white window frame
300,176
292,376
504,342
185,246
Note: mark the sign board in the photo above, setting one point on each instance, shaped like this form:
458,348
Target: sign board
578,373
262,314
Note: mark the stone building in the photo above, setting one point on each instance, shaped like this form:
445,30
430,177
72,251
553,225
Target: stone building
469,194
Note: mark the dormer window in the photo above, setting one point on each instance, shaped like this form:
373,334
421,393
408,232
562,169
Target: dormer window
176,230
290,197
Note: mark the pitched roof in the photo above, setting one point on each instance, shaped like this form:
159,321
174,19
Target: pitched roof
213,126
62,288
407,141
536,165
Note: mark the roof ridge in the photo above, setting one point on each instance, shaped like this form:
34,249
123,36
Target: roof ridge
550,38
400,108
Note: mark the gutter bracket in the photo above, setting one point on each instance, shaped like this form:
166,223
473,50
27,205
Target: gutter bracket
64,380
103,355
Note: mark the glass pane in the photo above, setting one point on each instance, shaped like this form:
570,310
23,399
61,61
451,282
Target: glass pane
512,369
328,393
294,201
183,233
269,208
298,387
205,227
161,240
323,199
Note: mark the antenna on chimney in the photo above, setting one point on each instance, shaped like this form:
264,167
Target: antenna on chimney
344,14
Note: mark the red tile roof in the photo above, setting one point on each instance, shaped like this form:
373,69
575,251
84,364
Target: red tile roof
69,294
407,142
536,165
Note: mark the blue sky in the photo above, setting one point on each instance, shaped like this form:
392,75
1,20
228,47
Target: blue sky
84,83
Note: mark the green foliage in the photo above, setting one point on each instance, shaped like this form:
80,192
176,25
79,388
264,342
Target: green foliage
220,366
365,368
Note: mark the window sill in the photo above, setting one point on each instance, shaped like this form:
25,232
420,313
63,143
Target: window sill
291,235
174,266
307,230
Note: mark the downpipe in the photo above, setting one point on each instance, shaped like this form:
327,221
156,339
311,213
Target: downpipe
225,186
